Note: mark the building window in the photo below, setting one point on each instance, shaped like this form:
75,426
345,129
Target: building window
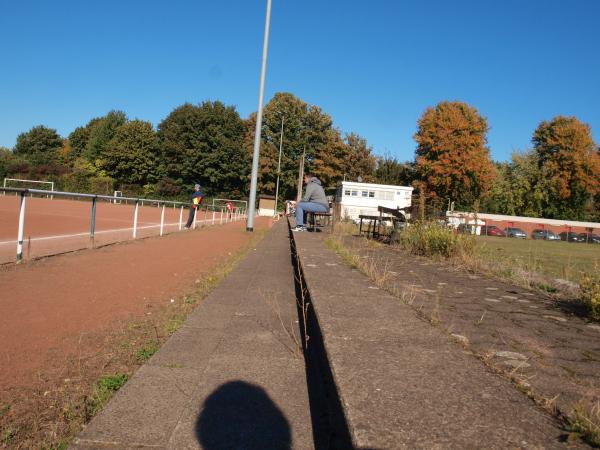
365,193
385,195
354,193
347,192
371,194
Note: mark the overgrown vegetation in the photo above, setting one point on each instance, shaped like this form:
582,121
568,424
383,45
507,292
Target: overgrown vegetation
146,352
590,293
433,239
585,422
103,391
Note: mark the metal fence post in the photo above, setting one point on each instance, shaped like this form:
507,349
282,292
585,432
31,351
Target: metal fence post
205,214
221,221
180,217
213,217
135,218
21,228
162,219
93,221
195,214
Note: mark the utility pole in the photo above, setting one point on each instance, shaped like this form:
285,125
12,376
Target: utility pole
301,175
256,154
279,165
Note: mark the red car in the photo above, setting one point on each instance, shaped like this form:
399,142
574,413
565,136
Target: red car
492,230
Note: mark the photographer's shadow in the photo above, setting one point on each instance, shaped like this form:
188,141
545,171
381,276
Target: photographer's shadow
240,415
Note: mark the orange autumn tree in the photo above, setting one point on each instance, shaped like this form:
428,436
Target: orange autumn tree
569,160
452,159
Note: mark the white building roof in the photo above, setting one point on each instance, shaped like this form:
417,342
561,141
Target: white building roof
356,184
536,220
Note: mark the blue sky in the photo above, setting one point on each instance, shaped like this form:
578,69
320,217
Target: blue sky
374,66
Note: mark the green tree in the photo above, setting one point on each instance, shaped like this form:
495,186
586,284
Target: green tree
132,155
390,171
451,157
204,144
40,145
101,131
568,158
360,161
267,163
6,158
306,129
79,138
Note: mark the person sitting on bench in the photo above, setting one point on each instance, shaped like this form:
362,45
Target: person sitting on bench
314,200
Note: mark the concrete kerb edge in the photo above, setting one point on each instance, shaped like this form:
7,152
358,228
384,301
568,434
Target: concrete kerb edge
324,339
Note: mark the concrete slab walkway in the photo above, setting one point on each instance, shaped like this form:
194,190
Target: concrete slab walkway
232,377
401,382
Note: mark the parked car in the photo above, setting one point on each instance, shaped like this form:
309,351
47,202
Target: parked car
569,236
590,238
491,230
515,232
545,234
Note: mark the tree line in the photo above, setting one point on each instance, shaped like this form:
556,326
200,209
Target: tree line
209,143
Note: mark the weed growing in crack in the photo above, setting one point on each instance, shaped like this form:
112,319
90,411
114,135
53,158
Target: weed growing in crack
103,392
146,352
296,347
585,422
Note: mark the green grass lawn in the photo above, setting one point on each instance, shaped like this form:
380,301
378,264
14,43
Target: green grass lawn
566,260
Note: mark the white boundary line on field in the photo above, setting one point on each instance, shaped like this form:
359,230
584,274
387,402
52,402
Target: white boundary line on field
115,230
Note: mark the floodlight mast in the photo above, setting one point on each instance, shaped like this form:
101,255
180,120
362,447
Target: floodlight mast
257,133
279,166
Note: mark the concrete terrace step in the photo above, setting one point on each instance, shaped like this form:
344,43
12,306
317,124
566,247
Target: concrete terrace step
231,377
401,382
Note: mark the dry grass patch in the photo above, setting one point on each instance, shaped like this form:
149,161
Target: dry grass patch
585,422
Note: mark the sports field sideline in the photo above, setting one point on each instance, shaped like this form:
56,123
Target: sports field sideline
57,225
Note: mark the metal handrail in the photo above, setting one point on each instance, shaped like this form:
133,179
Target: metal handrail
23,192
82,195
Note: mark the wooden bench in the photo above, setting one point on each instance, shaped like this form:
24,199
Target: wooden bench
374,224
312,220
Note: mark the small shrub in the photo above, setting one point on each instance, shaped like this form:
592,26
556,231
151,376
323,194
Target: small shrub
145,353
102,185
7,436
590,293
167,188
103,391
433,239
586,423
174,324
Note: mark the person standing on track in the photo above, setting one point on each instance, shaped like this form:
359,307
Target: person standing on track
195,201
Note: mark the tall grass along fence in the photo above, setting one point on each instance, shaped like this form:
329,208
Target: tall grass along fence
434,239
212,215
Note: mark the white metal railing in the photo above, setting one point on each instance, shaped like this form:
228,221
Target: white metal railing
222,215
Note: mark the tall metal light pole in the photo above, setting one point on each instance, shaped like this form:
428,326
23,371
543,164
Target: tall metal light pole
252,199
279,165
301,175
